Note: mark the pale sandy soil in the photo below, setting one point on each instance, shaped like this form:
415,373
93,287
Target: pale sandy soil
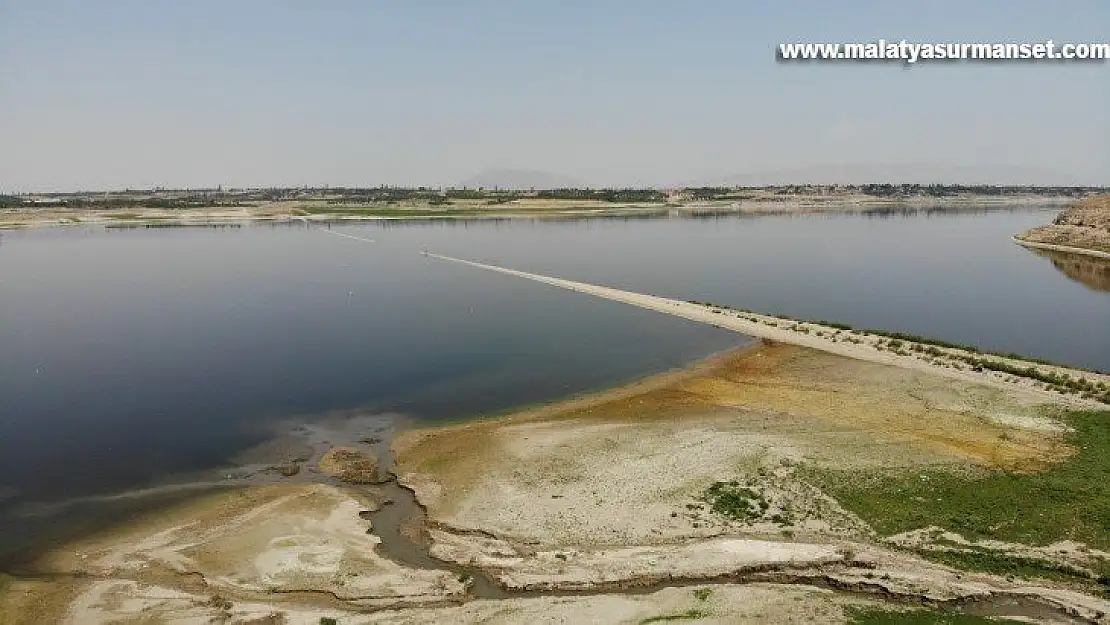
756,203
257,541
850,566
569,474
603,491
39,217
1083,228
597,496
113,602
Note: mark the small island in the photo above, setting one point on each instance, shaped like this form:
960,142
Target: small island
1084,228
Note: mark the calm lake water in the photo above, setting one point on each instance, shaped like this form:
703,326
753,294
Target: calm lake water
129,356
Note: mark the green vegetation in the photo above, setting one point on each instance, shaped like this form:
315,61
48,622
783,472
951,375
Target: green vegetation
688,615
897,336
1018,566
1060,382
902,336
735,502
942,190
327,620
95,203
438,210
1067,500
377,211
903,344
702,594
927,616
890,196
604,195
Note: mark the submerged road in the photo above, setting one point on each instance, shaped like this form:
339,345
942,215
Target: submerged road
762,327
336,233
858,345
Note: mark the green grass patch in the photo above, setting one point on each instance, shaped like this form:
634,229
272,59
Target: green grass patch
374,211
898,338
1068,500
433,210
688,615
703,594
1019,566
733,501
934,616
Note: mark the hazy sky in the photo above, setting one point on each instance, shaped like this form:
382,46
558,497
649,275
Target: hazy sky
235,92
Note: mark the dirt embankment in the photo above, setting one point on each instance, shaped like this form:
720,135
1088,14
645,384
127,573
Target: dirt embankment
1084,226
351,466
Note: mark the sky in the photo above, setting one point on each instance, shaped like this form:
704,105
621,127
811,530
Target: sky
239,93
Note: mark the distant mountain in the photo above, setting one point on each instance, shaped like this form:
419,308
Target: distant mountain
912,173
520,179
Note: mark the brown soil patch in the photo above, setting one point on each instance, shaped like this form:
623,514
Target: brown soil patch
780,387
32,601
350,465
1085,224
1093,212
567,474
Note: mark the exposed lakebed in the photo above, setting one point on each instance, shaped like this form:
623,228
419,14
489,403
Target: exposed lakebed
132,358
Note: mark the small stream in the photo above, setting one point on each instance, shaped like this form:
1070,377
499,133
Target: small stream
400,523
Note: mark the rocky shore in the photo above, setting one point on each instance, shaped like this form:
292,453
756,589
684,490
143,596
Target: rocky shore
1083,228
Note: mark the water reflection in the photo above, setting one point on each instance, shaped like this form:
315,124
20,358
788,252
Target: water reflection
1087,270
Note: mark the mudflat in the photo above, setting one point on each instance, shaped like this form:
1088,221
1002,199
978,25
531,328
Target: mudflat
629,466
716,473
718,493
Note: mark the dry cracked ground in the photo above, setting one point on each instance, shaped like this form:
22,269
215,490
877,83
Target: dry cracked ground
722,493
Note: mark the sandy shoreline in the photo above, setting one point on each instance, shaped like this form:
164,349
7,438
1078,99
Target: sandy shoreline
543,501
291,211
1082,228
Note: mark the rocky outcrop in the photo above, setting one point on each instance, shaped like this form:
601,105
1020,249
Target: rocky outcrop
1085,226
351,466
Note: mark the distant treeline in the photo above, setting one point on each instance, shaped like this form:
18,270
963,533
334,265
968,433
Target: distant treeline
889,190
943,190
605,195
204,198
117,202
